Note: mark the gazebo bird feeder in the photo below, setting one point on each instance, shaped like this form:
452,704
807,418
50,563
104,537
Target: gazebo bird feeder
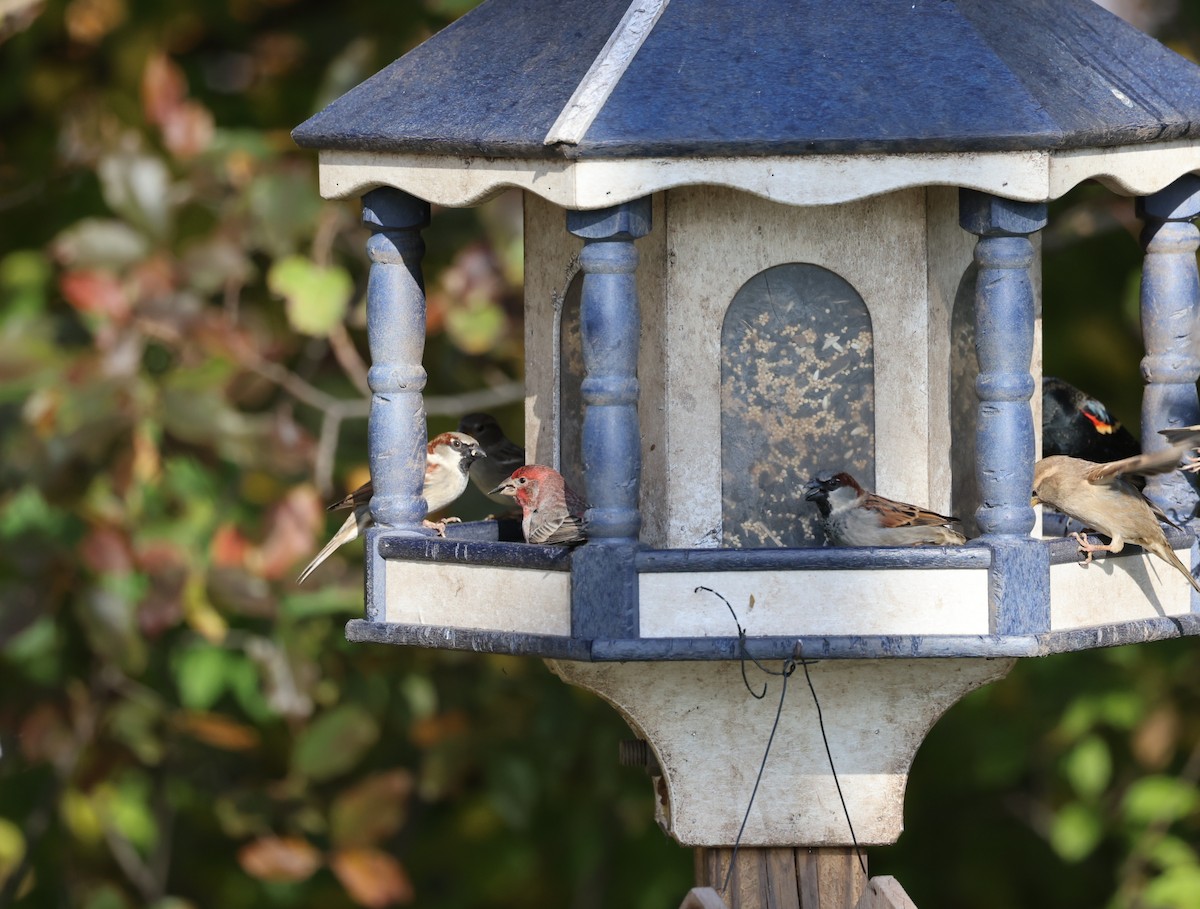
762,241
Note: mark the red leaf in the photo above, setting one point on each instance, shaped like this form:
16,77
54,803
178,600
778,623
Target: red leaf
217,731
292,526
372,809
188,130
372,878
279,859
105,550
229,547
163,88
95,292
427,732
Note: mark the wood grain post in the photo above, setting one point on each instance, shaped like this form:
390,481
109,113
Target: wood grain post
784,877
604,583
1170,300
1005,313
396,336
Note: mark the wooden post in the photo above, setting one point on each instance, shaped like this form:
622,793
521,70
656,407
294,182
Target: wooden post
1170,298
784,877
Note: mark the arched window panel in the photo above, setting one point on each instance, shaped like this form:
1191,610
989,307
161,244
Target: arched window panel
797,399
964,405
570,394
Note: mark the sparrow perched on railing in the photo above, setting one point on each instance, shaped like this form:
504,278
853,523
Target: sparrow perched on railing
503,455
1104,498
1076,424
448,460
851,516
552,512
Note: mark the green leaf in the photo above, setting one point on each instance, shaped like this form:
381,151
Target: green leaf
476,327
24,279
12,848
326,601
1176,888
1171,851
201,675
137,186
1075,832
100,243
1088,766
335,742
28,513
1159,798
317,297
126,806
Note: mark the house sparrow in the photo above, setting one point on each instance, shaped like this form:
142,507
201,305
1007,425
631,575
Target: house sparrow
851,516
552,512
503,455
1075,424
448,460
1104,498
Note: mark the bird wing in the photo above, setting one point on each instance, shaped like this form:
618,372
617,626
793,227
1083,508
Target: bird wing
355,523
571,530
901,514
360,496
1145,465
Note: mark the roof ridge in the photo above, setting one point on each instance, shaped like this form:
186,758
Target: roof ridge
598,82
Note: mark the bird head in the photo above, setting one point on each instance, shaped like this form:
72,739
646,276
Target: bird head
481,426
454,448
522,484
826,491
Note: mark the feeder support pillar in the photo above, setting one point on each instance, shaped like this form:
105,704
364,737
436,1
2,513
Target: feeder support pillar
1170,301
1005,315
396,336
610,328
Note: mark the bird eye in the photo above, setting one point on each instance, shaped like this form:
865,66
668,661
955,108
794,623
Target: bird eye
456,443
522,480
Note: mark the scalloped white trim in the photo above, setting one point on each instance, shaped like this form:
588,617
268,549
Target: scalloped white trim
1030,176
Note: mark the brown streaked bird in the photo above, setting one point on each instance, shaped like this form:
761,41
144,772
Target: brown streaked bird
1104,498
448,460
552,512
503,455
851,516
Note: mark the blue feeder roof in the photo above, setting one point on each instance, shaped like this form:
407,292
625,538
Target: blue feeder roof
770,77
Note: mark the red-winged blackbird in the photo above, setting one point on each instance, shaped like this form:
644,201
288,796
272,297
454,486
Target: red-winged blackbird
1077,425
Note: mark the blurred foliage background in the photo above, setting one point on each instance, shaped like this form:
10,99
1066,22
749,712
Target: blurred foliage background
182,386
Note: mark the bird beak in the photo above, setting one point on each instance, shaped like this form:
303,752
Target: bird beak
479,452
507,488
813,489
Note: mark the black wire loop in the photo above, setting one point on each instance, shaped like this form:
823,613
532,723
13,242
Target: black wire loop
785,672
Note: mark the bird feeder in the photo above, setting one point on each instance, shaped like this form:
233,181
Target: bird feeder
763,241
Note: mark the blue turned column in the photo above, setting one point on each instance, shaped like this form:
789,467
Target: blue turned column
1170,298
604,584
396,336
1004,443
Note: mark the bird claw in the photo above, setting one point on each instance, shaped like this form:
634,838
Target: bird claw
1085,547
1191,464
438,527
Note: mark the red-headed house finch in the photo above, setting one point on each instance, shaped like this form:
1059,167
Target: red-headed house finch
448,460
552,512
851,516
